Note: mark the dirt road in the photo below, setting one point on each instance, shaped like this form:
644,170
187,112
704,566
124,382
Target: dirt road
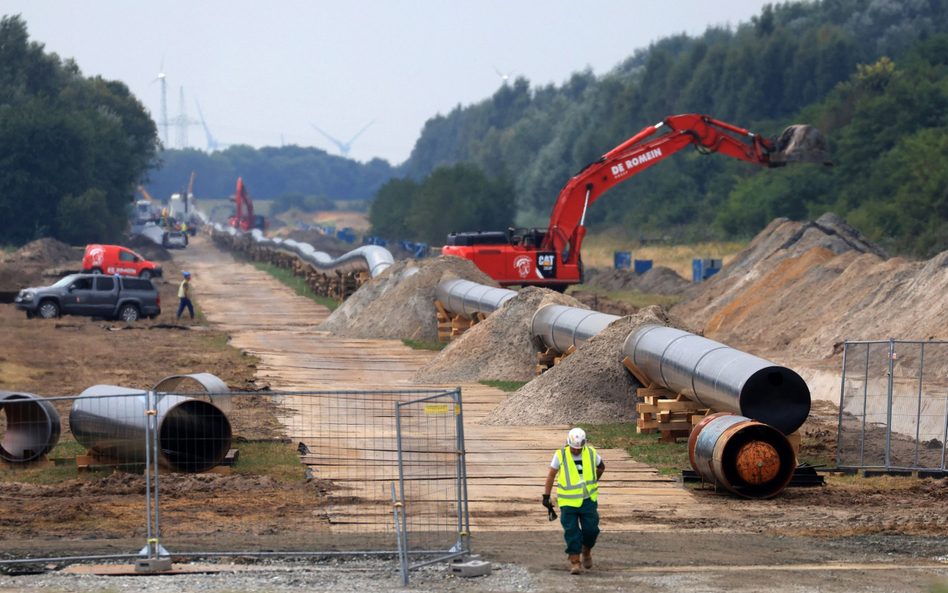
657,535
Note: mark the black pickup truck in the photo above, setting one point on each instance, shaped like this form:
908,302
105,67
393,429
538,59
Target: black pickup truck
92,295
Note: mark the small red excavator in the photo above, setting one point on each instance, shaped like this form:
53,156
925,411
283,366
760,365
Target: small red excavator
244,219
551,257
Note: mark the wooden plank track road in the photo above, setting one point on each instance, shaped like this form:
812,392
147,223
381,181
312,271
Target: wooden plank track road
506,464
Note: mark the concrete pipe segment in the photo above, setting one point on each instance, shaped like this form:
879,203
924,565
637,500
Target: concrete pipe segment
746,457
193,435
369,258
32,427
720,377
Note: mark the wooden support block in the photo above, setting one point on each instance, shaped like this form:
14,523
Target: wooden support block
661,392
636,371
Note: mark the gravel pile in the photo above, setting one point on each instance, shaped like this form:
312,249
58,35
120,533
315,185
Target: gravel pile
589,386
500,348
275,575
658,280
148,249
399,304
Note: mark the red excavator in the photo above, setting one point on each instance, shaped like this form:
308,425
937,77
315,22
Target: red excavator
244,219
551,257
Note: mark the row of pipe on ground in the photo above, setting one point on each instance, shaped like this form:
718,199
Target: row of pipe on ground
193,435
743,448
334,277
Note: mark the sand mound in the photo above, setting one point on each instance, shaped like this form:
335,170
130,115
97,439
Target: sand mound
396,305
591,385
501,348
148,249
24,267
658,280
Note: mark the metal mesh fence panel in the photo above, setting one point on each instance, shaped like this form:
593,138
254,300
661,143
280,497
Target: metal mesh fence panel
72,475
235,473
431,449
893,405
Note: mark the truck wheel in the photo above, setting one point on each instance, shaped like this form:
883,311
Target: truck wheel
129,313
145,275
96,270
48,310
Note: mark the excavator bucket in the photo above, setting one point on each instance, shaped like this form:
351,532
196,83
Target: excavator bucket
801,144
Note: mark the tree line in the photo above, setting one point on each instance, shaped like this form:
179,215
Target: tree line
867,73
72,148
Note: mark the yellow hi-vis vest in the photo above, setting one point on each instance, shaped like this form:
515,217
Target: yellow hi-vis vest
571,490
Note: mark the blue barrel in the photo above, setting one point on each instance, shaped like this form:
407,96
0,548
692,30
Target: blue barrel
622,259
642,266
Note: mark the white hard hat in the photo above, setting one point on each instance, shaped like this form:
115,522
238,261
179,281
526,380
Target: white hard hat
576,438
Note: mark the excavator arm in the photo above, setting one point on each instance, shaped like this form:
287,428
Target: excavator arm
567,222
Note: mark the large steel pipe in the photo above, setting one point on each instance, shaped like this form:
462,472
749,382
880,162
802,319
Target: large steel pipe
467,299
217,390
370,258
720,377
746,457
32,427
560,327
193,435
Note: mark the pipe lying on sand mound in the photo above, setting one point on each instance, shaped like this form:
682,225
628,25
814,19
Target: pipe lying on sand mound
713,374
368,258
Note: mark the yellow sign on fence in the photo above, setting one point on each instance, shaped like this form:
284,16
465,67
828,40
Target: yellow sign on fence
441,409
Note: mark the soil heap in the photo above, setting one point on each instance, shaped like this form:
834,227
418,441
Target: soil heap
399,304
500,348
24,267
589,386
604,304
657,280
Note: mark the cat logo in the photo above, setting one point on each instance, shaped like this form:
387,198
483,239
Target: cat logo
546,264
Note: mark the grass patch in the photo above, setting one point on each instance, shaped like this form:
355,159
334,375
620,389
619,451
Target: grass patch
7,248
295,282
667,458
280,461
435,345
633,297
599,245
505,385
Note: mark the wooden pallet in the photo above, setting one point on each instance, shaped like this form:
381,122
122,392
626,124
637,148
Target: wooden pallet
662,410
450,327
549,358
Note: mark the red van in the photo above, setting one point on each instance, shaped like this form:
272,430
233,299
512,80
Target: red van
115,259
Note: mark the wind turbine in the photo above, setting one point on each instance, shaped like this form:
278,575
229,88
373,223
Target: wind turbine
344,147
212,143
163,124
503,76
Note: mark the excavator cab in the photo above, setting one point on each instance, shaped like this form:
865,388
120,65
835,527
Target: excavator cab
800,144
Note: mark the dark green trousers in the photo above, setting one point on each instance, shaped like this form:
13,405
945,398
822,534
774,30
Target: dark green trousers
580,525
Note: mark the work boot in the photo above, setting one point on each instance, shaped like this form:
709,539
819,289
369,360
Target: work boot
576,568
587,557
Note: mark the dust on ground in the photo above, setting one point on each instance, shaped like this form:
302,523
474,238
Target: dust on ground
24,267
399,305
657,280
500,348
589,386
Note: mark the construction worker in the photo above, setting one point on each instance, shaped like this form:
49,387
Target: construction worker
576,469
184,293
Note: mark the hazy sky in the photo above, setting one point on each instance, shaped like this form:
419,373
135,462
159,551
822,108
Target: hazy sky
262,69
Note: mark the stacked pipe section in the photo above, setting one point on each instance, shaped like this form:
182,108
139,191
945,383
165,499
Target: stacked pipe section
193,435
766,400
368,258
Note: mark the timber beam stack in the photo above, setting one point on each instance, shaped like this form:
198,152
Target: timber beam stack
450,327
662,410
549,358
